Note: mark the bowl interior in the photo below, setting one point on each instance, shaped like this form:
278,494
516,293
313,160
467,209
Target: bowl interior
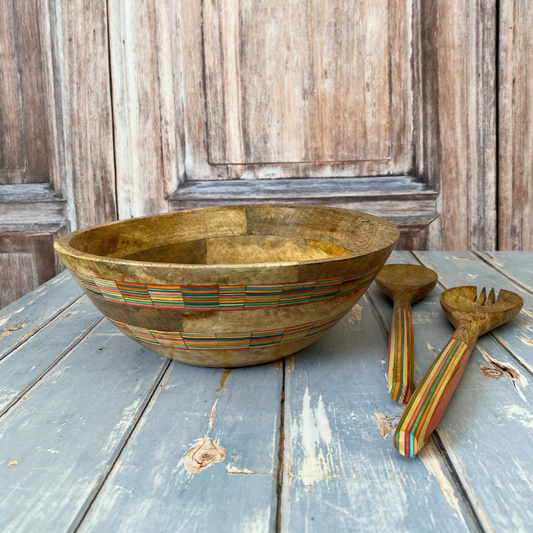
232,235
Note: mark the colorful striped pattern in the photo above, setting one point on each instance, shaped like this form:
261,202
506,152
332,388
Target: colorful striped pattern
401,355
425,408
228,341
225,297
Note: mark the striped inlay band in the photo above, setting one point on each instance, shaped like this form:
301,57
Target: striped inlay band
224,297
412,431
401,355
228,341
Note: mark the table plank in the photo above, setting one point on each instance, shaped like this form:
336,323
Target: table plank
67,433
340,474
486,429
516,265
150,489
34,310
465,268
28,363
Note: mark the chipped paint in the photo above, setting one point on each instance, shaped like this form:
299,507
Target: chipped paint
526,340
522,415
225,374
7,317
429,457
26,335
431,349
13,463
386,424
464,258
278,364
472,276
213,415
234,470
527,313
316,439
500,369
203,455
289,363
355,314
10,329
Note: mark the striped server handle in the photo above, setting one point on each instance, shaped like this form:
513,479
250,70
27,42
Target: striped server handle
400,362
429,401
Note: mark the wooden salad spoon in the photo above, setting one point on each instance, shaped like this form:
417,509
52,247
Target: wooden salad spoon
404,285
471,317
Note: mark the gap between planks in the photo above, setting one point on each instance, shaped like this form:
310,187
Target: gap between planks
84,511
435,437
36,330
39,378
493,264
281,450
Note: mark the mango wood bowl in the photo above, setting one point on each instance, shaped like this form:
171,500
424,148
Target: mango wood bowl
229,286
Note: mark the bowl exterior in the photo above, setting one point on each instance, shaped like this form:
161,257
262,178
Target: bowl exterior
224,316
228,325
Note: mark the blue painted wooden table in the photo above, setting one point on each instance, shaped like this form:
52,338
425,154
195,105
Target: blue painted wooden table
93,427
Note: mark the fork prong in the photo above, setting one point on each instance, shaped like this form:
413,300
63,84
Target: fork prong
482,297
491,298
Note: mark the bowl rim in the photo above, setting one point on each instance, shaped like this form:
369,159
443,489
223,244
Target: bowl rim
63,246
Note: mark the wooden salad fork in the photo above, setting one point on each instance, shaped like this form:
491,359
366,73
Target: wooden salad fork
471,317
404,285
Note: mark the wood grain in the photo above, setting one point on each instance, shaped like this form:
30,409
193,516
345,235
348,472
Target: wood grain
455,118
515,141
29,362
34,310
296,83
69,440
78,99
24,150
146,78
203,47
27,260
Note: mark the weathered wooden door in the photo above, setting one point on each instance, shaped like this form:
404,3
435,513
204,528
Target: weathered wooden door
266,90
123,108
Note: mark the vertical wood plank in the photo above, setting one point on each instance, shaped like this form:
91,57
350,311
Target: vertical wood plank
18,275
24,150
76,59
146,79
297,82
26,316
27,364
455,71
27,260
66,434
151,490
253,131
515,192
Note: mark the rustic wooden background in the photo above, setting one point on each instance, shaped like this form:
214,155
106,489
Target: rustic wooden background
416,111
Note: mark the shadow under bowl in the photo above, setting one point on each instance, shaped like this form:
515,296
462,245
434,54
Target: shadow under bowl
229,286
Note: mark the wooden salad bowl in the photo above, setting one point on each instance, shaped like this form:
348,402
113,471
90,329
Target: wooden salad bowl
229,286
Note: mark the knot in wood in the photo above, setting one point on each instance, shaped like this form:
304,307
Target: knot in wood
202,455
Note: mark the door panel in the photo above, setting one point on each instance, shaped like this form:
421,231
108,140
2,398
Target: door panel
297,81
287,89
23,121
